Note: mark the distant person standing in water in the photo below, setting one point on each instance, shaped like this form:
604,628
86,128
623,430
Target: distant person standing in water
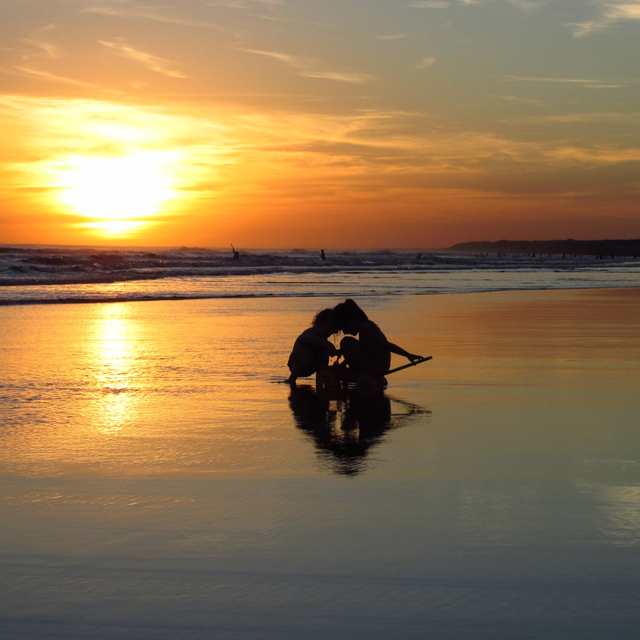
312,349
236,254
322,256
371,353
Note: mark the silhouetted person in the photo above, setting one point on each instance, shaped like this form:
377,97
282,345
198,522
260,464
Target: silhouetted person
236,254
371,353
322,256
312,349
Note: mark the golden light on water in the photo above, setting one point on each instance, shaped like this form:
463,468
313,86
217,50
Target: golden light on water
117,192
113,363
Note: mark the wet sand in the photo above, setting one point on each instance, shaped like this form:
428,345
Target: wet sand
157,483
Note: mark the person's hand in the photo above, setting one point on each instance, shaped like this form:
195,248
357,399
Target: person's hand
414,357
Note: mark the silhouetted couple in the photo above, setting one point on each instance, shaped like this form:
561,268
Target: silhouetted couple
369,353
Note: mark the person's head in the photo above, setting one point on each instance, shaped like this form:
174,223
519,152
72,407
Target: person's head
348,317
323,321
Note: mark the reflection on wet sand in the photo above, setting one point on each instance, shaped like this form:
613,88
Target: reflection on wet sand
113,344
346,429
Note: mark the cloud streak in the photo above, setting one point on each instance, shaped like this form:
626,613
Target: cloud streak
308,68
610,14
126,10
526,5
244,4
584,82
426,63
49,50
154,63
52,77
430,5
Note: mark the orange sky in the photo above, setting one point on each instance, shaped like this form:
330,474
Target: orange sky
270,123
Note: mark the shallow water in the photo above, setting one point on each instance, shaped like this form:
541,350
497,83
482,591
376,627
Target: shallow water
158,483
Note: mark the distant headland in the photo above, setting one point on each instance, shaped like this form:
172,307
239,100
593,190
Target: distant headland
598,248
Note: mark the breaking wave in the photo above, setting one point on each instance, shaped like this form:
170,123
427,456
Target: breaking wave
35,275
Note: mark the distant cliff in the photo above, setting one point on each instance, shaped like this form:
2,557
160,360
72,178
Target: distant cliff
604,248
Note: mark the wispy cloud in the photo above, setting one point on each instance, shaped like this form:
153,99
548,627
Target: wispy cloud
154,63
527,5
425,63
602,154
588,83
610,14
394,36
339,76
38,51
282,57
132,10
243,4
579,118
52,77
441,4
430,5
308,68
37,55
46,48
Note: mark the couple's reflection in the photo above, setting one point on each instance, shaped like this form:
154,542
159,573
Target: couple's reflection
344,430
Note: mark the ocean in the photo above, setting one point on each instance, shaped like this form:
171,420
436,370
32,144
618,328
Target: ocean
33,275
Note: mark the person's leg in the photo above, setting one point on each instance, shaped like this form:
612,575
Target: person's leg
305,366
354,354
294,374
322,360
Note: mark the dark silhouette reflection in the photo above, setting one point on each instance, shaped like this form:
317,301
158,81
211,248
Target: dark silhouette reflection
344,430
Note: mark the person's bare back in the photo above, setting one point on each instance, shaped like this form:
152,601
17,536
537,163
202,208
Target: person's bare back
312,349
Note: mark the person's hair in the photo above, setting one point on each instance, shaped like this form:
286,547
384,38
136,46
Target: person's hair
345,312
323,317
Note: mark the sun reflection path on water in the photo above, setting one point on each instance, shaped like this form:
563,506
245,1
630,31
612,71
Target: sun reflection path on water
112,354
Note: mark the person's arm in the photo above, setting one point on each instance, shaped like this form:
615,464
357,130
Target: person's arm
374,334
371,333
394,348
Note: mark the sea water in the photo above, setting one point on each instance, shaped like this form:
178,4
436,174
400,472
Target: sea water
31,275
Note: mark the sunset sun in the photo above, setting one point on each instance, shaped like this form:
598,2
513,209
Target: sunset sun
117,194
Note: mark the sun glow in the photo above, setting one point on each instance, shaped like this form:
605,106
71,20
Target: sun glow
117,192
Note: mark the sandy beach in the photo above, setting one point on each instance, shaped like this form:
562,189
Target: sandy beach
157,481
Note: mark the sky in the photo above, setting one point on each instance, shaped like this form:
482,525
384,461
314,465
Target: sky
318,123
